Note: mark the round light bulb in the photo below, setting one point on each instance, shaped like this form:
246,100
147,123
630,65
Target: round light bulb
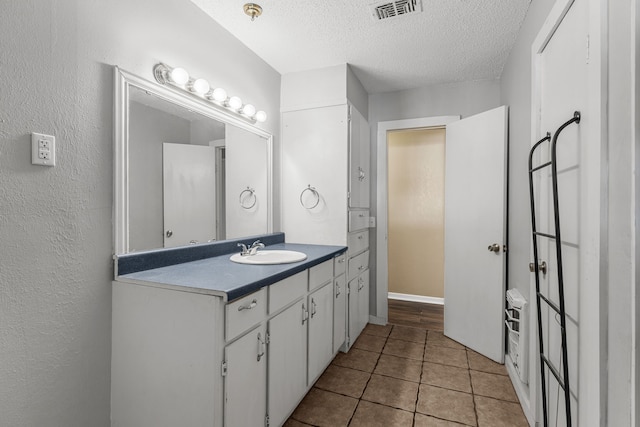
200,86
179,76
261,116
235,102
219,94
249,110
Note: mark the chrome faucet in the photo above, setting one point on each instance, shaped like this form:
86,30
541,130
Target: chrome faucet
252,250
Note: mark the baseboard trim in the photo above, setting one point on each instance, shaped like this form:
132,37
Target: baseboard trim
416,298
522,390
377,320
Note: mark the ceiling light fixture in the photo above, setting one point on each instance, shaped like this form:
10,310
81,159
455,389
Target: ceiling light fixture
253,10
179,78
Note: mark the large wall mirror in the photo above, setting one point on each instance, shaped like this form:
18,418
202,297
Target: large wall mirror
185,172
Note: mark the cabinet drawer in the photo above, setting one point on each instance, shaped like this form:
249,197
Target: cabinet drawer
358,242
245,312
358,264
340,265
287,291
320,274
358,220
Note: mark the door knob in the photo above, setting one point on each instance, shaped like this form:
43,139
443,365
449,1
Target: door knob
169,233
494,248
542,266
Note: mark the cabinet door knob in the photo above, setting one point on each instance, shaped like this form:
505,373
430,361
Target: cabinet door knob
253,304
261,347
313,307
494,248
305,314
337,290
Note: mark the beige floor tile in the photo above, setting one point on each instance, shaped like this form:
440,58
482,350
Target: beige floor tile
323,408
391,392
498,413
400,348
399,367
409,334
343,381
378,330
492,385
373,415
450,377
446,404
357,359
370,343
446,356
438,338
478,362
427,421
293,423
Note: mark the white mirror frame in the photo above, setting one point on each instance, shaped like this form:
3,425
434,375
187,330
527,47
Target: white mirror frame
123,81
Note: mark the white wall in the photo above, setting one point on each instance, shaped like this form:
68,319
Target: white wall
56,223
464,99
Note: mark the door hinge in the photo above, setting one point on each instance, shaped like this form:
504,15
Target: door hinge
224,369
348,195
266,420
267,338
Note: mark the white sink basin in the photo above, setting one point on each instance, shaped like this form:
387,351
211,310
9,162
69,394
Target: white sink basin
270,257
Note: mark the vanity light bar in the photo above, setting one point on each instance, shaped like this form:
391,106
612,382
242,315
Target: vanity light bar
179,77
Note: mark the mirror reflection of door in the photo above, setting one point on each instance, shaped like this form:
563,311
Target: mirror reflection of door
189,188
221,183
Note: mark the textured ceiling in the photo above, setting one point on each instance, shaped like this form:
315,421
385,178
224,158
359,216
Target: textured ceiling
451,40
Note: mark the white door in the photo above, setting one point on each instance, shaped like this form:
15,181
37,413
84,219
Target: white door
359,149
475,208
287,361
339,312
562,72
320,330
188,194
246,380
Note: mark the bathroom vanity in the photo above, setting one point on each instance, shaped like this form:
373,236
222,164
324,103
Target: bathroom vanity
210,342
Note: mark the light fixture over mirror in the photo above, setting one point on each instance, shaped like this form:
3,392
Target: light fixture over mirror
179,78
164,138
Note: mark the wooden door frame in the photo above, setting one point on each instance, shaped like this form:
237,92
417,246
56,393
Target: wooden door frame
382,230
593,270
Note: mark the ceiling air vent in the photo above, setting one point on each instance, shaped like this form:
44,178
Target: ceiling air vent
393,9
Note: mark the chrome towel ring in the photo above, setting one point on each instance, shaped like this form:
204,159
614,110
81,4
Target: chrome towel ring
248,198
315,195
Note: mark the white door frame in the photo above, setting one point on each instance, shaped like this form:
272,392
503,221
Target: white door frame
593,270
382,230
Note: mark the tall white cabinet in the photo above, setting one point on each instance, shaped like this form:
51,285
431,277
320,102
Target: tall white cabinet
326,179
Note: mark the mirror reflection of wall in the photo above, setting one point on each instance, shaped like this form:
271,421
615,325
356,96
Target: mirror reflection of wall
186,172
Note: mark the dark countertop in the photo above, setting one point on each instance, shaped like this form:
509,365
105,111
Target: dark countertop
222,277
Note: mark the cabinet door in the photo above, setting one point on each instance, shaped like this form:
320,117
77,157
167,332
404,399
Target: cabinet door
320,330
352,313
339,312
359,162
363,300
287,362
246,380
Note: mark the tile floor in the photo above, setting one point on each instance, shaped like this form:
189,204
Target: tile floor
404,376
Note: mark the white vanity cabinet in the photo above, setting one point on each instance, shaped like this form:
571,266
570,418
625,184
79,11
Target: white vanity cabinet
180,357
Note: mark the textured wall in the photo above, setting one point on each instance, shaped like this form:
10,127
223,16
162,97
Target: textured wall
55,258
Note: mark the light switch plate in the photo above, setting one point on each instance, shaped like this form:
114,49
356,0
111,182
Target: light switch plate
43,149
372,222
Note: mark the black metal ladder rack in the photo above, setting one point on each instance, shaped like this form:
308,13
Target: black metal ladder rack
559,308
